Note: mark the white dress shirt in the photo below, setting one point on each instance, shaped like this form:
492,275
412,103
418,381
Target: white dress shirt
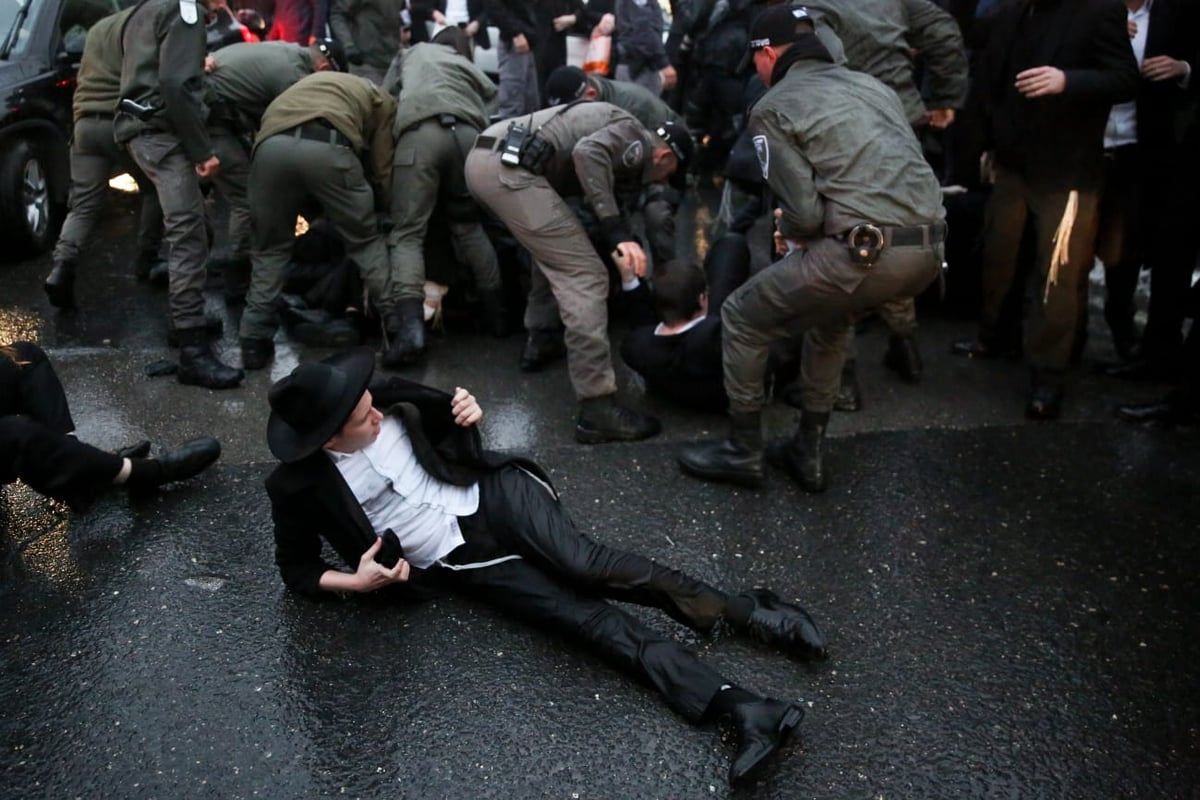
1122,120
396,492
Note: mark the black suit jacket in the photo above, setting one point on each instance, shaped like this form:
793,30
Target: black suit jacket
1160,104
1058,141
310,501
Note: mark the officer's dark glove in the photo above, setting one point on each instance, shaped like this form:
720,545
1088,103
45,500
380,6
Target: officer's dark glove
354,56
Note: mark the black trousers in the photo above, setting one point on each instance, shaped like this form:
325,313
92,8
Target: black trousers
562,581
34,445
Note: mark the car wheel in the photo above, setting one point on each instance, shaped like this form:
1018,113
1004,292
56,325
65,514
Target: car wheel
29,212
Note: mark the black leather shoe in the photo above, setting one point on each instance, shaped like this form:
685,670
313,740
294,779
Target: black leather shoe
1045,402
1138,370
317,328
1164,411
60,285
801,455
189,459
903,358
784,625
136,450
602,419
849,396
199,367
738,459
542,348
974,348
406,333
763,726
257,353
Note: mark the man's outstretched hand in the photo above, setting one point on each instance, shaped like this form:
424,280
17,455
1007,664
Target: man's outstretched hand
465,408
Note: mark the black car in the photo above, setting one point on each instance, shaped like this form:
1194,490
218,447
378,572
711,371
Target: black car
41,42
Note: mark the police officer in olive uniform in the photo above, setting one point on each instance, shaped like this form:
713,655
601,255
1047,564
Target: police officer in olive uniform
95,156
443,105
878,38
243,81
862,209
597,150
370,32
328,139
161,121
660,202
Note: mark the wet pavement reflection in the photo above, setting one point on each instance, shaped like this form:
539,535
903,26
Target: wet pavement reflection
1011,607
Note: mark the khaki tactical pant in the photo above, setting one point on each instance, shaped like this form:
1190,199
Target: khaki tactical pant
427,173
160,155
286,171
545,226
815,290
94,159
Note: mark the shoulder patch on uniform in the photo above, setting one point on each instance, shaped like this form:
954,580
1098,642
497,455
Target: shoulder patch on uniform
632,156
188,11
764,154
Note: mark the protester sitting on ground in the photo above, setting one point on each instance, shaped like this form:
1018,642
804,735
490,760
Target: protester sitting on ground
410,498
38,443
675,344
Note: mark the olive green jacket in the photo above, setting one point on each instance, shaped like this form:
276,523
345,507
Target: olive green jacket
98,84
163,67
359,109
836,148
647,107
248,77
432,80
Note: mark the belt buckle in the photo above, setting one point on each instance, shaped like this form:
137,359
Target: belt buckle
866,242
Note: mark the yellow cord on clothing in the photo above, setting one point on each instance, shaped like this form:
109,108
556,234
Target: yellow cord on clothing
1062,241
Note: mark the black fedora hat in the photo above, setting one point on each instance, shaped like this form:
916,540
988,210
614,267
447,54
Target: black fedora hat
313,403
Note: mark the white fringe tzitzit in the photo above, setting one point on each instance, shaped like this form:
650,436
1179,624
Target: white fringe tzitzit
1062,241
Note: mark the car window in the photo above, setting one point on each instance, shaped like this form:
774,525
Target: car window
17,39
80,15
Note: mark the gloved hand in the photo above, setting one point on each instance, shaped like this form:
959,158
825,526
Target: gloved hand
354,55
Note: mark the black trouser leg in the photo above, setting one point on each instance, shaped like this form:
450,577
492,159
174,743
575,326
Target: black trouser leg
526,592
52,463
519,514
32,388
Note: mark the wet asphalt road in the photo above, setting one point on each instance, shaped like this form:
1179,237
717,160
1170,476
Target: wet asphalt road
1012,608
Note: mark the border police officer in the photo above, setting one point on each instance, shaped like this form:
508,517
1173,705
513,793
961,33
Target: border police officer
94,154
327,138
161,120
521,171
863,210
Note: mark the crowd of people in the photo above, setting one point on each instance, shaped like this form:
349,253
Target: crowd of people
841,122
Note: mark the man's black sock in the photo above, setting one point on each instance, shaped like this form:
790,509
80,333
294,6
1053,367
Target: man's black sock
723,701
145,473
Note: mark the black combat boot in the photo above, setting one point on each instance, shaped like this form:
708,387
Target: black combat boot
800,456
60,285
849,396
406,333
214,326
235,277
495,320
199,367
602,419
543,346
738,459
903,358
257,353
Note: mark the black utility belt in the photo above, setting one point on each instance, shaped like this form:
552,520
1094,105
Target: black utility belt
867,241
320,131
